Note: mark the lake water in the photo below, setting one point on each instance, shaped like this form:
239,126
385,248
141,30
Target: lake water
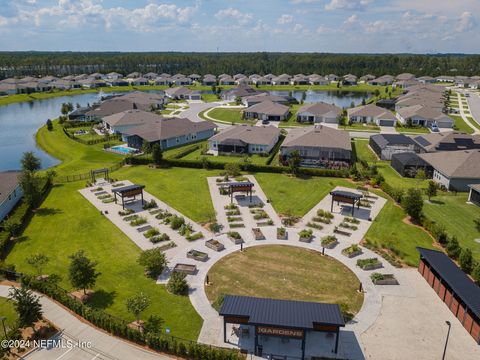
340,98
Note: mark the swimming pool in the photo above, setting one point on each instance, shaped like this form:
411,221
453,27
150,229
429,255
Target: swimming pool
123,149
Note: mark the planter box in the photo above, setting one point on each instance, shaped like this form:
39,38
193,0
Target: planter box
306,239
257,233
341,232
389,279
236,241
372,266
185,269
331,245
214,245
353,254
197,255
282,237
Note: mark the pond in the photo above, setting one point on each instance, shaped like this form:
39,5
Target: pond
340,98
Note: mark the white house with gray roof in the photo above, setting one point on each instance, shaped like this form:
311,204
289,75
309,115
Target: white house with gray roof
267,110
319,113
10,192
422,115
371,113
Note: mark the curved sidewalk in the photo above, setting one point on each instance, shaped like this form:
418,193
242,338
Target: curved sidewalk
104,346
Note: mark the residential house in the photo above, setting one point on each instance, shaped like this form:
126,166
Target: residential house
382,80
194,77
318,146
140,81
120,122
169,132
226,80
150,76
244,139
426,80
299,79
134,75
317,80
62,84
455,170
118,82
267,110
270,77
163,80
256,99
446,141
319,113
183,93
385,145
421,115
178,76
349,80
114,76
445,78
283,79
8,89
261,80
371,113
332,78
405,84
239,76
209,80
474,194
97,76
240,92
404,77
182,81
367,78
10,192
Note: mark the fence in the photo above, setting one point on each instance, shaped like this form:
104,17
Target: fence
92,141
85,176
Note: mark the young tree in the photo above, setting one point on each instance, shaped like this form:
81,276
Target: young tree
232,169
157,154
49,125
476,273
146,147
37,261
453,248
26,304
420,175
153,325
466,260
30,162
66,108
294,161
413,204
82,272
177,284
138,304
154,262
31,187
431,189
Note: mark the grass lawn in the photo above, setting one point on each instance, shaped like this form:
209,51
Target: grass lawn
360,127
76,158
363,151
66,223
7,310
388,231
88,136
184,189
285,272
453,212
461,125
253,159
227,115
412,130
297,195
209,97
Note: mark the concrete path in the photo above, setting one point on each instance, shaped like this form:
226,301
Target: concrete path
101,345
474,105
464,116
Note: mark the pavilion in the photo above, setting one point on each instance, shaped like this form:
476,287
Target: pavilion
129,192
244,186
347,197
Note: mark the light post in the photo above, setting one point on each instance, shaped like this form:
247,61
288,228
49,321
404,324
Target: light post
446,340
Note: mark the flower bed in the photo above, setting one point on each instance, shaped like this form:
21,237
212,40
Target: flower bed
269,222
232,212
315,225
159,238
369,264
306,235
329,242
236,225
234,218
230,207
352,251
131,217
348,226
383,279
105,196
194,236
341,232
138,221
187,269
351,220
235,237
258,234
108,200
151,233
282,233
214,245
152,204
197,255
126,212
162,214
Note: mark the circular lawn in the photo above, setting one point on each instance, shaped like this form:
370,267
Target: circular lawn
284,272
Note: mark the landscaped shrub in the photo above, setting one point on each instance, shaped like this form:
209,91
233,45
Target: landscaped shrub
351,249
175,221
305,233
231,206
126,212
195,236
131,217
237,225
150,205
185,229
177,284
329,239
348,226
154,262
162,214
151,233
324,213
232,212
234,235
362,263
234,218
351,220
377,276
314,225
108,200
140,220
159,238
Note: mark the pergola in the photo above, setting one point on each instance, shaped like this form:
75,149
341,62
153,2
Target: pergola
281,318
347,197
94,173
130,191
246,187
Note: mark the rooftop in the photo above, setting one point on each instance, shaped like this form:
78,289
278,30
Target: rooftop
455,164
318,136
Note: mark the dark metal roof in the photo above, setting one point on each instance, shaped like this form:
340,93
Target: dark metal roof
241,184
128,188
287,313
346,194
456,279
409,158
384,140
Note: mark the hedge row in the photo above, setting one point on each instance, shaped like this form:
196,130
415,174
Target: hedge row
119,327
92,141
76,123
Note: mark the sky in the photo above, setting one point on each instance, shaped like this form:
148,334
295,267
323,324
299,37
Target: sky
347,26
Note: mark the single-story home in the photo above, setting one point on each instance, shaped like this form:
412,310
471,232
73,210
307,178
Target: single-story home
194,77
117,82
317,80
257,99
261,80
319,113
299,79
426,80
134,75
169,132
182,81
447,141
244,139
209,79
183,93
318,146
163,80
10,192
349,80
424,116
240,91
114,75
474,195
150,75
407,164
382,80
385,145
226,80
405,76
455,170
118,123
140,81
371,113
267,110
283,79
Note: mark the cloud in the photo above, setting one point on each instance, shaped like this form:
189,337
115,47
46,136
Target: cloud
466,22
231,13
347,4
285,19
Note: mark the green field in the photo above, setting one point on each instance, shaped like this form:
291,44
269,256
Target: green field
76,158
412,130
8,311
227,115
66,223
453,212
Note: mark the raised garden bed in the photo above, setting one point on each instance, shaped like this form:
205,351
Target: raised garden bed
168,246
151,232
258,234
187,269
138,221
232,212
341,232
131,217
126,212
159,238
235,237
108,200
234,218
214,245
329,242
351,220
383,279
162,214
197,255
369,264
352,251
233,226
321,220
315,225
230,207
101,193
306,235
194,236
282,233
105,196
269,222
348,226
144,228
257,205
97,189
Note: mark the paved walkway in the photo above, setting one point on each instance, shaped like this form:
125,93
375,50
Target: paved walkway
103,345
464,116
474,105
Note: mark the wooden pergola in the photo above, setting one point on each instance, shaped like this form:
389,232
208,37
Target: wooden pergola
130,191
246,187
347,197
94,173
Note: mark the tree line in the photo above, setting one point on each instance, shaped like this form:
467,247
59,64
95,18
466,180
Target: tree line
64,63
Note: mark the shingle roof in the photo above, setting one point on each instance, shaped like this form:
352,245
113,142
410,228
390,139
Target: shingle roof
455,164
296,314
8,183
456,279
318,136
320,109
384,140
372,110
131,117
268,107
461,141
258,135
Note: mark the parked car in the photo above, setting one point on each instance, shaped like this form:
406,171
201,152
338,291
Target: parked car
265,122
434,128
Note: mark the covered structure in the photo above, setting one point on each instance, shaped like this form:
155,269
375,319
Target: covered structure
407,164
245,186
454,287
129,192
474,194
94,174
346,197
281,318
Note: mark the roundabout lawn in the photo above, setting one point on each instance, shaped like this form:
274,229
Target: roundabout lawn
285,272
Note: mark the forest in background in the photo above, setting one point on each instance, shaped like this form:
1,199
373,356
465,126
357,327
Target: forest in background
63,63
